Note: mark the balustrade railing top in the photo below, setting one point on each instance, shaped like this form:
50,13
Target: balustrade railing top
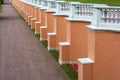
44,5
52,6
106,18
81,11
63,8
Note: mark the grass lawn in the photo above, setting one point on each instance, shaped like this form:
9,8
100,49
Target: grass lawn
44,43
0,8
109,2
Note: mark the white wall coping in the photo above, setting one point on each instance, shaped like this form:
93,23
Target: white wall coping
85,61
37,22
85,19
52,33
104,28
43,7
61,14
67,62
50,10
43,26
29,16
51,0
64,43
33,19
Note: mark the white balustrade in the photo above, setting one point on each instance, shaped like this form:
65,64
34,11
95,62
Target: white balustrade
106,18
51,6
110,15
39,2
63,8
81,11
44,5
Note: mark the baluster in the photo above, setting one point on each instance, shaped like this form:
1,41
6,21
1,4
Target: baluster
118,16
91,10
62,5
83,10
102,15
105,16
77,9
80,9
86,6
87,9
110,13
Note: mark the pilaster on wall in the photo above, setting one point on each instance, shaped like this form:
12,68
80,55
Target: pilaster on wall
52,41
85,69
64,50
43,31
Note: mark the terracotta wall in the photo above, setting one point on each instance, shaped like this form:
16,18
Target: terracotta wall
107,51
77,36
60,28
50,22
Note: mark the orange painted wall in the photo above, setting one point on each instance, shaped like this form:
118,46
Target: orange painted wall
60,28
85,71
34,9
78,38
37,14
39,11
107,56
43,31
50,22
66,55
42,18
37,26
91,44
105,52
52,41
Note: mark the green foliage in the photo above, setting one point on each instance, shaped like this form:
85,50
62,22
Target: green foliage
55,54
44,43
70,71
37,35
33,30
0,9
1,2
109,2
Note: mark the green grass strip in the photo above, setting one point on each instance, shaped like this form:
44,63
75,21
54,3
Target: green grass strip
37,35
0,8
44,43
55,54
70,71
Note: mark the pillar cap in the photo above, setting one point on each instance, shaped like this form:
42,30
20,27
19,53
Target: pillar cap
85,61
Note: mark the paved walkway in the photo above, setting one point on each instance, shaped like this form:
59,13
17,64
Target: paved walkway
22,56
